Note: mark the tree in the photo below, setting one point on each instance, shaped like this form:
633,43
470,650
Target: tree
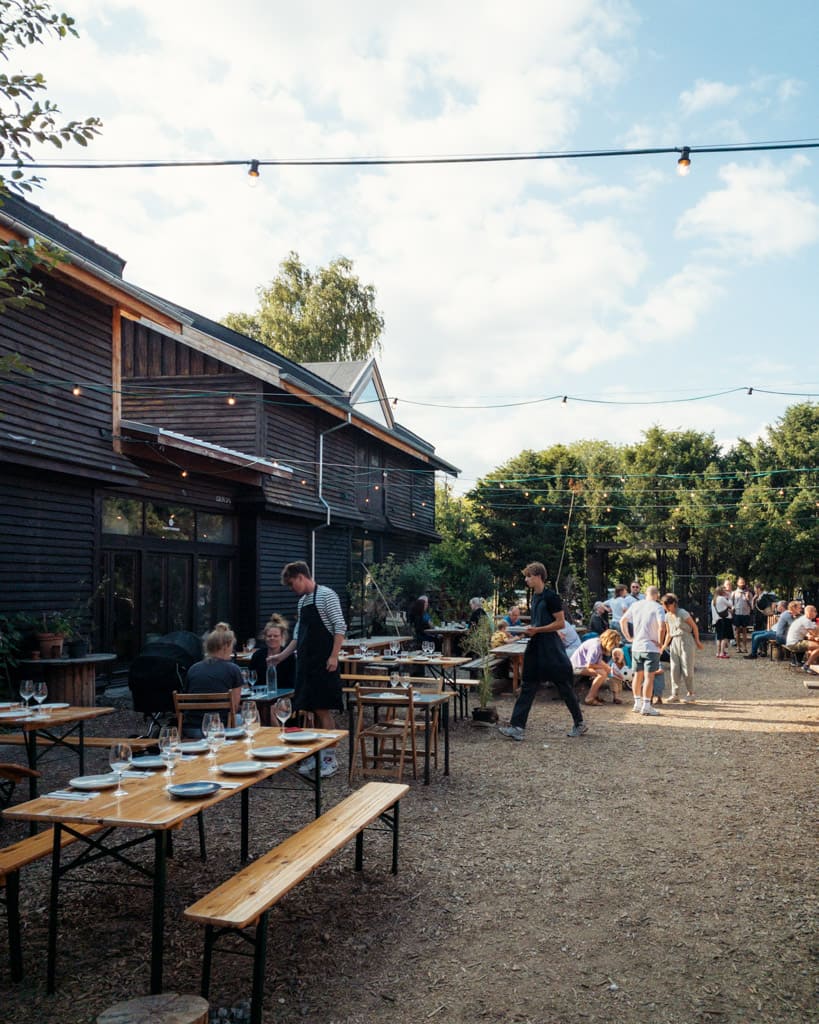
314,317
25,119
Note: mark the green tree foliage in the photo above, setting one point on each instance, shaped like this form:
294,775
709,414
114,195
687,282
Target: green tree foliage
26,118
321,316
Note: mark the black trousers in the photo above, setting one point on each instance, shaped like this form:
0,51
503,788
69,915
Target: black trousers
565,687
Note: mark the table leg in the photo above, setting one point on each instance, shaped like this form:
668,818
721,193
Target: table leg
317,782
82,747
445,715
51,957
245,819
158,921
31,754
426,744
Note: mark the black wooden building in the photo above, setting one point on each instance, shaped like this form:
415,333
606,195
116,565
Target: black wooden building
181,463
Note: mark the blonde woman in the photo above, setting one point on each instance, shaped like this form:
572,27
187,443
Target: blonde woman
590,660
216,673
681,635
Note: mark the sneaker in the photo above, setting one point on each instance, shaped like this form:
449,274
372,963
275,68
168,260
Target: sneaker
751,657
512,732
673,699
689,698
307,767
578,730
329,768
649,711
637,705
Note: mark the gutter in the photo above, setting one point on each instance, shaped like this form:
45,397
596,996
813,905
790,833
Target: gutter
324,525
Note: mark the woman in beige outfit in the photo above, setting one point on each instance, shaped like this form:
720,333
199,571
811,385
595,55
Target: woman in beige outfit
681,636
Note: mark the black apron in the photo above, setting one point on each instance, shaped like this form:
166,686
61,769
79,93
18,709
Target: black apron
545,659
316,688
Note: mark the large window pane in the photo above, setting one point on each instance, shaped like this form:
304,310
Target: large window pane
122,516
170,522
213,593
215,529
179,593
124,632
153,595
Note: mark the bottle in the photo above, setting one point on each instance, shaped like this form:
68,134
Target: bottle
272,684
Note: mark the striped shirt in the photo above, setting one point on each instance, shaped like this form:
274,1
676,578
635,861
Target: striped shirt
329,608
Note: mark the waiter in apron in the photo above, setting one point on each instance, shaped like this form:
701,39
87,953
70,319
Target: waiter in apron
317,640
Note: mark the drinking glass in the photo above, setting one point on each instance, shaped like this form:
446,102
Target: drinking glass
26,691
169,747
119,759
395,648
215,737
250,646
250,721
207,720
40,694
251,678
245,678
283,709
363,649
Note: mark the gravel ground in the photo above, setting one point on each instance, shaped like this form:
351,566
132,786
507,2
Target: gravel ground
657,870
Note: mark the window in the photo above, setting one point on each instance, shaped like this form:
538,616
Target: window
122,516
170,522
215,529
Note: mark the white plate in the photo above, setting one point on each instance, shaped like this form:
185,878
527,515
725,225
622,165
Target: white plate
5,704
234,732
421,661
265,752
54,707
194,747
16,714
106,781
194,790
148,761
302,736
240,768
388,695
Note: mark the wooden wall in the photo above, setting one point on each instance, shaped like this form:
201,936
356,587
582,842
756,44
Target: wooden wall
47,542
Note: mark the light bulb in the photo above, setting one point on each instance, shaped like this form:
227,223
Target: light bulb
684,163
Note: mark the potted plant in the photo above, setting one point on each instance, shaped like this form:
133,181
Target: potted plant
50,630
478,643
79,618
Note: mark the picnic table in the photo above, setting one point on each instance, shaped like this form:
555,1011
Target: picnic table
149,809
73,680
375,643
447,635
438,664
40,730
514,651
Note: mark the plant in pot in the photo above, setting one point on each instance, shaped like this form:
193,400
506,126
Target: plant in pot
80,618
50,630
478,643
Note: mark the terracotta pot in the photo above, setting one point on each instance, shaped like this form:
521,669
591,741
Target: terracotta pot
51,644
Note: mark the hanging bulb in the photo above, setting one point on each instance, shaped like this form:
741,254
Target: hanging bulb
76,391
231,400
684,163
253,174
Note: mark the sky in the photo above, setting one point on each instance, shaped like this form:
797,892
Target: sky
631,290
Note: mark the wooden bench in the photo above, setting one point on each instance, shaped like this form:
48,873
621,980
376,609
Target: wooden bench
135,742
475,668
245,900
12,859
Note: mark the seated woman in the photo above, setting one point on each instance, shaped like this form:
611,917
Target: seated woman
599,619
216,673
419,619
477,613
590,660
276,637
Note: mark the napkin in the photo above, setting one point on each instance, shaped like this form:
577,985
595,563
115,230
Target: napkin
188,757
136,775
230,785
72,794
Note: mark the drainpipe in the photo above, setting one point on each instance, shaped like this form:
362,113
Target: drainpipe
323,526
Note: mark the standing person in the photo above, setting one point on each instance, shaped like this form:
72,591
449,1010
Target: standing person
634,594
317,640
741,600
618,605
642,626
721,619
681,636
545,660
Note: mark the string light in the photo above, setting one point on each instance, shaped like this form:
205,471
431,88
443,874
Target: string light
231,400
76,391
253,174
684,163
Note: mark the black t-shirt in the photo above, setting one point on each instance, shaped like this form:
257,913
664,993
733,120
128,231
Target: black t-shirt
285,670
213,675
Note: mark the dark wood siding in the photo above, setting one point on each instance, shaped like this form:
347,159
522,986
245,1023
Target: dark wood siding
145,353
46,543
291,437
67,343
333,561
280,541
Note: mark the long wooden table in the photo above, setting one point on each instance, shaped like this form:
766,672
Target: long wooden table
446,668
148,808
34,727
514,652
447,635
375,643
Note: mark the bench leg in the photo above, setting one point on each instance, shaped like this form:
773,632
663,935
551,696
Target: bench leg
53,910
207,958
259,968
13,916
395,838
359,851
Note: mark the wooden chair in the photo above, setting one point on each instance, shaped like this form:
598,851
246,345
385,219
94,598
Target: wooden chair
185,702
425,684
10,776
380,748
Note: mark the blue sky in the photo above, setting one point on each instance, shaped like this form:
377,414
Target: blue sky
613,279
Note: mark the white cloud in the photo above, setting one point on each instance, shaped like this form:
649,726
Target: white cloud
758,214
707,94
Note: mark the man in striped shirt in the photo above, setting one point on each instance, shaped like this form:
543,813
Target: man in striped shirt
317,640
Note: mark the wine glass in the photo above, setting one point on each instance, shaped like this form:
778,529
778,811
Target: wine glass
245,678
26,691
250,646
169,747
250,721
251,679
40,694
395,648
119,759
283,709
215,736
363,649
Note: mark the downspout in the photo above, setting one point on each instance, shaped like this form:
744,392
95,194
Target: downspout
324,525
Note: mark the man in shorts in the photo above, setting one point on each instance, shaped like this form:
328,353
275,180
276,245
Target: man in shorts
641,626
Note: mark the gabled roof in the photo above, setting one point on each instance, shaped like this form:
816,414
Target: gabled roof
361,381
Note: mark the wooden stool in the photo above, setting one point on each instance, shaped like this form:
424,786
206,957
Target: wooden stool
168,1008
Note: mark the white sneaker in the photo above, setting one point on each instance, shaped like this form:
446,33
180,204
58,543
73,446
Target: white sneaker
307,766
689,698
649,710
329,768
673,699
637,705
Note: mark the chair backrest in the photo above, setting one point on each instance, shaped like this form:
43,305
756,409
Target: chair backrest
202,702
